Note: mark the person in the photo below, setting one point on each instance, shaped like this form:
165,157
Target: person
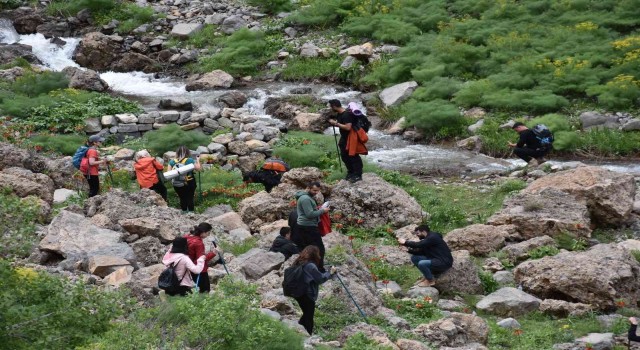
147,168
632,329
528,147
310,259
185,185
293,224
283,244
344,121
92,164
177,255
196,249
430,254
308,232
269,174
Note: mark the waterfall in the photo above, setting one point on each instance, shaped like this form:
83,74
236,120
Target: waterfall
142,84
51,55
8,34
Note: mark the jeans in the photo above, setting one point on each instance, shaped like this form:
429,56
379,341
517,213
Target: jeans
353,163
187,195
527,153
423,264
308,307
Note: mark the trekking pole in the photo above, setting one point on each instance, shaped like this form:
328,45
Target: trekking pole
335,137
110,174
221,257
352,299
200,185
197,284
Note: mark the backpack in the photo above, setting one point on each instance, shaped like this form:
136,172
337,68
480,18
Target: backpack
544,135
363,122
80,154
168,280
293,284
276,165
182,179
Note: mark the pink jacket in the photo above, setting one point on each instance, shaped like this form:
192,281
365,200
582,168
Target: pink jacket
182,263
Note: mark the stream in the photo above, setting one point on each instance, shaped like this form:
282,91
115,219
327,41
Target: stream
387,151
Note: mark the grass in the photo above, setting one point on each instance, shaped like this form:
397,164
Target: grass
130,15
310,103
19,217
62,144
238,249
541,252
305,69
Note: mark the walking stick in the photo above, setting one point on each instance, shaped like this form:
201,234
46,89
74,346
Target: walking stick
352,299
197,283
221,257
110,175
335,137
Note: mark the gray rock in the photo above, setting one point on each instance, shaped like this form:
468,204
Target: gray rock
225,123
416,292
394,95
92,125
210,81
462,277
563,309
508,125
10,52
233,99
232,24
62,194
86,79
256,263
520,251
590,119
598,341
510,323
216,18
509,301
144,119
450,305
291,32
238,147
633,124
390,288
180,104
126,118
348,62
309,50
169,116
504,278
185,30
473,129
271,314
125,128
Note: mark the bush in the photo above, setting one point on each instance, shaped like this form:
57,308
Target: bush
9,4
35,84
272,6
302,149
311,68
323,13
360,341
69,8
170,137
437,118
19,217
543,251
415,311
242,53
489,284
62,144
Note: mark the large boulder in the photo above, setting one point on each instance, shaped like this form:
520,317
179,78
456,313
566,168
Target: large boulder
103,265
609,195
256,263
133,61
263,208
456,330
376,202
313,122
232,24
394,95
479,240
548,212
211,81
372,332
519,252
148,250
462,277
25,183
97,51
564,309
509,302
302,177
10,52
599,276
233,99
231,221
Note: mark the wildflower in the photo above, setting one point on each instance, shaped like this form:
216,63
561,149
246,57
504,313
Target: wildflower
428,299
385,282
351,238
306,142
292,203
518,332
389,230
620,303
339,226
566,326
419,305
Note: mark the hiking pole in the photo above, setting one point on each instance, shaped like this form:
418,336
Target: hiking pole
197,284
352,299
221,257
110,174
335,137
200,185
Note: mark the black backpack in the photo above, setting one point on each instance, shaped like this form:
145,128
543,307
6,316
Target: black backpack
168,280
293,284
544,135
363,122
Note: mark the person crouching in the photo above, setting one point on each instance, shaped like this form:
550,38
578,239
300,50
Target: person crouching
430,254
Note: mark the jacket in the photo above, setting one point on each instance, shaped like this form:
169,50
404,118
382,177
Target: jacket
434,248
308,214
356,142
196,250
284,246
314,278
146,171
632,333
183,265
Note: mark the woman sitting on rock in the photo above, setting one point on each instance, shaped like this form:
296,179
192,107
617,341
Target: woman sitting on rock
147,169
185,184
632,330
178,256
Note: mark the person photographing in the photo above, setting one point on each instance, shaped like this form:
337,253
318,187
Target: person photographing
430,254
307,230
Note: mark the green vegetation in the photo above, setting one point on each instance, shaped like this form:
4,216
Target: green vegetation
309,102
489,284
571,243
272,6
238,249
331,316
9,4
405,276
127,13
302,149
62,144
414,311
19,218
298,69
170,137
636,255
361,341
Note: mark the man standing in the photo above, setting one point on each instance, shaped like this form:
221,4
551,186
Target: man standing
344,120
529,148
430,254
283,244
307,231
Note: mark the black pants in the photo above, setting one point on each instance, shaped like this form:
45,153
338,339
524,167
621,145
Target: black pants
94,184
204,286
308,307
187,195
310,235
527,153
160,189
182,291
353,163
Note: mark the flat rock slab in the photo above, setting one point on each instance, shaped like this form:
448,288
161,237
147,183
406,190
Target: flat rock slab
185,30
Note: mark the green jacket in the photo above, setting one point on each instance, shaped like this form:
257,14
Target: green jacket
308,212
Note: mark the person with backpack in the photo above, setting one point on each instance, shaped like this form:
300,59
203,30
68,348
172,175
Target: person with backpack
283,244
307,230
178,260
87,160
431,254
196,249
147,169
302,281
344,121
532,146
269,174
632,336
185,184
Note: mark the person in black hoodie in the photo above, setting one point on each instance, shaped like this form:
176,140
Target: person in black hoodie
632,330
430,254
283,244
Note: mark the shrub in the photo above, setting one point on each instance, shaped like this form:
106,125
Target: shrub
311,68
543,251
437,118
415,311
35,84
272,6
323,13
360,341
204,38
63,144
72,7
19,217
489,284
170,137
381,27
9,4
302,149
331,316
242,53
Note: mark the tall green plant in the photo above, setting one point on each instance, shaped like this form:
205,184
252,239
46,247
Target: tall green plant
170,137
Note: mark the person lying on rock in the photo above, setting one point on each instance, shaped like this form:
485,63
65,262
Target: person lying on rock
308,232
283,244
430,254
196,249
528,147
632,329
178,256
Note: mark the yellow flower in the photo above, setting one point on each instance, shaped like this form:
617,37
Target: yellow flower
26,273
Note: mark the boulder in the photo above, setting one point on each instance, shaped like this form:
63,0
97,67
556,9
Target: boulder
23,183
85,79
471,346
124,154
256,263
550,212
394,95
313,122
92,125
148,250
263,208
277,302
370,331
231,221
361,52
238,147
27,22
62,194
456,330
250,162
232,24
376,202
462,277
504,278
478,239
597,341
301,177
510,323
450,305
519,252
564,309
126,118
387,287
97,51
120,276
185,30
391,254
233,99
54,29
609,195
10,52
309,50
417,292
103,265
599,276
147,277
631,125
211,81
508,302
408,344
133,61
12,74
141,226
179,104
473,143
591,119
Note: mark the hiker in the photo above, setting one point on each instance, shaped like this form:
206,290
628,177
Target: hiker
185,185
269,174
293,224
308,232
310,260
344,121
632,329
90,164
178,255
529,148
147,168
283,244
430,254
196,249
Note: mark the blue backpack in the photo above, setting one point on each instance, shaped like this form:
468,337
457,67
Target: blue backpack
544,135
81,152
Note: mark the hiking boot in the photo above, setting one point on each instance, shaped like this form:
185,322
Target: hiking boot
533,163
427,283
355,178
541,160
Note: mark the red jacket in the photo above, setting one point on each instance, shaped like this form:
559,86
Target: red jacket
356,142
196,250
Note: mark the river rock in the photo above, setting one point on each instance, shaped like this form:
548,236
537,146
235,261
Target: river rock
103,265
564,309
519,252
508,301
313,122
478,239
211,81
599,276
473,143
54,29
394,95
26,21
456,330
309,50
631,125
233,99
97,51
9,52
376,201
473,128
550,212
462,277
362,52
133,61
180,104
85,79
232,24
609,195
256,263
185,30
23,182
